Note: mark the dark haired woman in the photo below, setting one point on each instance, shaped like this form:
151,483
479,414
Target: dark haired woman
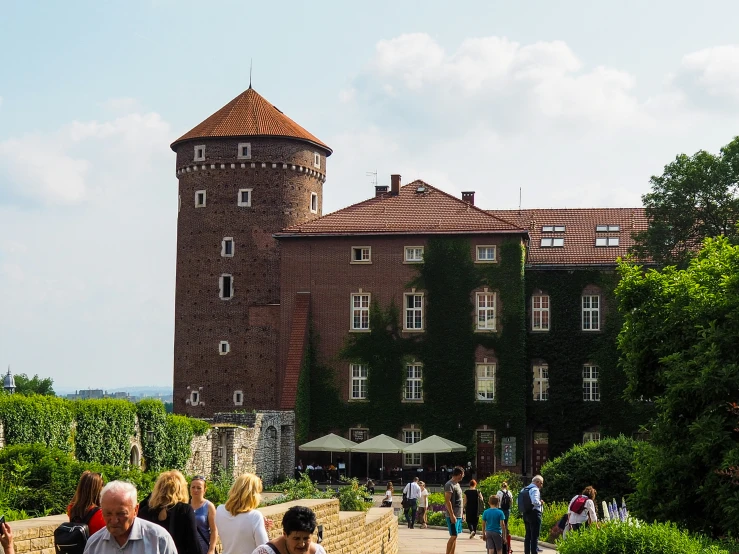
298,525
472,501
582,513
85,507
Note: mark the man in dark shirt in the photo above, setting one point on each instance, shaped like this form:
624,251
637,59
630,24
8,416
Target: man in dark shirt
453,502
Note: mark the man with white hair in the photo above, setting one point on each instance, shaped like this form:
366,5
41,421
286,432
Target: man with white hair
123,530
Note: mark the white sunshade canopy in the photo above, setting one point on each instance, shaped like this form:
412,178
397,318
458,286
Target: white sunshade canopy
434,445
328,443
381,444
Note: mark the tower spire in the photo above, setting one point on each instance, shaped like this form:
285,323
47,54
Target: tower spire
250,65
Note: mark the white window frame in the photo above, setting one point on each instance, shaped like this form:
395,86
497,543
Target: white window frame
485,375
602,228
553,229
224,347
541,382
361,255
314,202
590,385
413,254
199,204
240,202
413,387
225,254
485,249
195,398
221,280
411,436
414,312
238,398
358,381
590,436
317,160
199,153
590,314
606,241
484,321
359,304
240,155
540,312
552,242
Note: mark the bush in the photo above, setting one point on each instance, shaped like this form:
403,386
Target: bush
553,511
352,497
491,485
297,489
606,465
636,538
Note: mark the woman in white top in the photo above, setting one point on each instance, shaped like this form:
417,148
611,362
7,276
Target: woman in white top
240,525
423,505
587,516
298,525
387,502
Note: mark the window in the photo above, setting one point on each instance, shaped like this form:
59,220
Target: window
591,312
227,247
226,286
411,436
360,311
590,390
485,311
606,228
194,398
540,312
316,160
590,436
199,153
244,151
541,382
244,198
224,347
361,255
486,253
552,242
553,229
413,312
238,398
485,385
606,241
414,254
200,199
313,203
413,382
359,381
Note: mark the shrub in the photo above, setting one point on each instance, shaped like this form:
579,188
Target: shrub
218,486
636,538
491,485
297,489
352,497
606,465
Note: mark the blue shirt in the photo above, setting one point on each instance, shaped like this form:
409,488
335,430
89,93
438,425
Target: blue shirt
145,538
535,496
492,518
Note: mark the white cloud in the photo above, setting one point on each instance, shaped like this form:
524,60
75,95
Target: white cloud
123,104
715,69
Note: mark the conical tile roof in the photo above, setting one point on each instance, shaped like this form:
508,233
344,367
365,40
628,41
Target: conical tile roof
250,115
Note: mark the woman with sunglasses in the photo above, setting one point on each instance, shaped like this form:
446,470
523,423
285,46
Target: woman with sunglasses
205,515
85,507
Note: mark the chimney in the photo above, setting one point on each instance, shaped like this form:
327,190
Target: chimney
469,197
380,190
395,184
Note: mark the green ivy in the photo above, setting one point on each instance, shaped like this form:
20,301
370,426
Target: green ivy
103,432
37,419
302,397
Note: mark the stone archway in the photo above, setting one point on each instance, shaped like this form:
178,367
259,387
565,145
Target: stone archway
134,459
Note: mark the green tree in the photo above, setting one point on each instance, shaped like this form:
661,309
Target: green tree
678,349
695,198
33,385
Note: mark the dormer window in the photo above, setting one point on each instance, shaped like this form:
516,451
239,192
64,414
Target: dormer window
607,228
606,241
548,242
244,152
199,153
553,229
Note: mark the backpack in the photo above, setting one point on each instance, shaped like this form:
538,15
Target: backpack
71,536
524,500
578,505
505,502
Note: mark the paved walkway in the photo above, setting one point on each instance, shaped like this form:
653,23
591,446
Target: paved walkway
433,541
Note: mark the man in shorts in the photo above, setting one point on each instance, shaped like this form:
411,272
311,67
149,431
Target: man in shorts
453,502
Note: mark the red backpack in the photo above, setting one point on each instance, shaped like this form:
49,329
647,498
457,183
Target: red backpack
578,505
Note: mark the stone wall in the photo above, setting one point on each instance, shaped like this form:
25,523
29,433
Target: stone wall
35,536
201,460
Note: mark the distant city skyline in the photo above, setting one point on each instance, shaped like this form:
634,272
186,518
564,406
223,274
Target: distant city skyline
573,104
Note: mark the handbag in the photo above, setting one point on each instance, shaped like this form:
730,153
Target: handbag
480,504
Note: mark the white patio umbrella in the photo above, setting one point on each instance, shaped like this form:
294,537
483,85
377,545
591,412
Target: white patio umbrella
380,444
433,445
328,443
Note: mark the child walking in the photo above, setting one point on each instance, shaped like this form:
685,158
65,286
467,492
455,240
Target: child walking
494,530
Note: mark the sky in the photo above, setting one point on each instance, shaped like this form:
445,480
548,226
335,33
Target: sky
550,104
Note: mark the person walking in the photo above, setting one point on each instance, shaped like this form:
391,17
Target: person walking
423,505
472,502
205,515
411,492
240,525
532,513
453,502
505,500
494,527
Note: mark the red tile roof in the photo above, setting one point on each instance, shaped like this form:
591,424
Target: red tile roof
296,349
418,208
250,115
580,233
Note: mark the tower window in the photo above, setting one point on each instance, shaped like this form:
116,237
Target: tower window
200,199
316,160
226,286
227,247
244,152
199,153
194,398
224,347
238,398
244,198
313,203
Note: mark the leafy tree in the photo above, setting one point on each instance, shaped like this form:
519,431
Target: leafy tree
33,385
678,347
695,198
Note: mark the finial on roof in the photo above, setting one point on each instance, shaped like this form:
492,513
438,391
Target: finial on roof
250,64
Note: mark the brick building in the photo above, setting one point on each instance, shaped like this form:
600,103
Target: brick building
258,266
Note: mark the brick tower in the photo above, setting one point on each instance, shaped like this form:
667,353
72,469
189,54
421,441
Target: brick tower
244,173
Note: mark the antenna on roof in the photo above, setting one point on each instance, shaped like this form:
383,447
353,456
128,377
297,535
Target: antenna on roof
519,200
250,64
372,174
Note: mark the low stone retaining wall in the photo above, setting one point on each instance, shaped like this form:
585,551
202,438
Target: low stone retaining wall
375,531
